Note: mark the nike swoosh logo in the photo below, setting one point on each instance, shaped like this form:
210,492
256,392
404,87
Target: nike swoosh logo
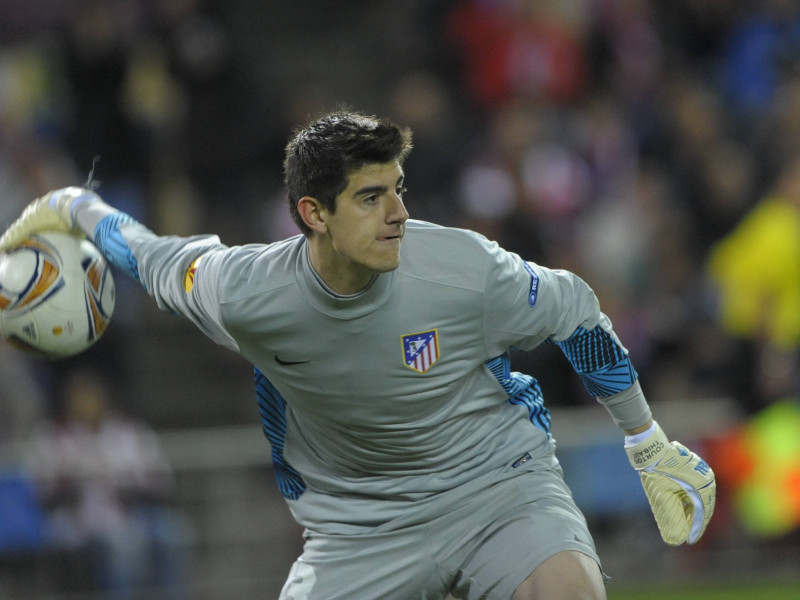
290,362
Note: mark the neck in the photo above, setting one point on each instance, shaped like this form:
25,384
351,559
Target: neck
340,276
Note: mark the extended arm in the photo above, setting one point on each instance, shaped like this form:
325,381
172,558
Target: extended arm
58,211
160,263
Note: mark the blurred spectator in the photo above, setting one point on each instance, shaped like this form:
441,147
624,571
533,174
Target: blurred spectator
760,51
757,271
22,405
32,156
625,52
22,400
224,130
521,48
105,485
97,48
776,134
422,101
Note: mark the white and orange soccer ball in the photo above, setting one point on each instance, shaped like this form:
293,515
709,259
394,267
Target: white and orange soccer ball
56,294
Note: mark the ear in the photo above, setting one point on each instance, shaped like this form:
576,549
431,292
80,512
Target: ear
313,213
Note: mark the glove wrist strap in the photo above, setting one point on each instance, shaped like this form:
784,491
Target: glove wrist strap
636,438
648,451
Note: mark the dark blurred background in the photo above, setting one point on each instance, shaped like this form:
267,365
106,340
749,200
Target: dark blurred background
651,147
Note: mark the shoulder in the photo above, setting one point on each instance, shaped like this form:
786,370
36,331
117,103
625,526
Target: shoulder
447,254
265,253
254,268
421,234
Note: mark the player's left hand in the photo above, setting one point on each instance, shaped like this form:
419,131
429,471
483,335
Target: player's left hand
680,486
51,212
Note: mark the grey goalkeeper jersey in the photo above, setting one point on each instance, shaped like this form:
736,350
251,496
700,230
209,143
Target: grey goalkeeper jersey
378,403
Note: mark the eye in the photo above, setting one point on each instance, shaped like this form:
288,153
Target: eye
373,199
401,190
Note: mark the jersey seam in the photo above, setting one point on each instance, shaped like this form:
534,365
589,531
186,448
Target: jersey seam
474,289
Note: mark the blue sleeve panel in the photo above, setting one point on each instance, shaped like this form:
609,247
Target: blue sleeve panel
108,238
523,390
272,408
603,365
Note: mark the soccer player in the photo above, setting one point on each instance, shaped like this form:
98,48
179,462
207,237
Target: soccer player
418,462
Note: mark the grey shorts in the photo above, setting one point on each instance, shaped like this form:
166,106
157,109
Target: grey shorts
482,549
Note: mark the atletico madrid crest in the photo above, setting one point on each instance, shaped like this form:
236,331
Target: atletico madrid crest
421,350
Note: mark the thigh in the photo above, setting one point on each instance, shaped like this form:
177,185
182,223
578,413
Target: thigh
539,520
568,575
396,565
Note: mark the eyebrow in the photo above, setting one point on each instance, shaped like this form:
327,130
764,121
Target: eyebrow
377,189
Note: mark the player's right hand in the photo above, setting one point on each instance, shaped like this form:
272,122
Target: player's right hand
51,212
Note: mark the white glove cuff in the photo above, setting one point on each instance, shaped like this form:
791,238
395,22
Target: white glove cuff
648,451
638,438
66,201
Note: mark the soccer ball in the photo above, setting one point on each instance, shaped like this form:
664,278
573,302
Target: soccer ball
56,295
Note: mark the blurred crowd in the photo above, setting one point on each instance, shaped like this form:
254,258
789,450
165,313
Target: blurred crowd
622,139
651,147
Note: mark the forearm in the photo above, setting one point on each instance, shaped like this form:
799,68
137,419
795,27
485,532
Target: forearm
608,374
629,409
87,215
102,224
163,265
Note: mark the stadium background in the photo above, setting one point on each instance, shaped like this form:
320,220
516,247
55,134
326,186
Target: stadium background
622,139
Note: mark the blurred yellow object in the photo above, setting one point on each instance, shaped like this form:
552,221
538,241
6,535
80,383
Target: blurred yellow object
757,269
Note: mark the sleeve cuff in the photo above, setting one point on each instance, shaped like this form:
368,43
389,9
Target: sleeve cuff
628,408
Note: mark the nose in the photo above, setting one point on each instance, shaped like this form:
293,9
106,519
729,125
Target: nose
396,211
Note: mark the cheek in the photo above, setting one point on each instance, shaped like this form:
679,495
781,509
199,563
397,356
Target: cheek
346,240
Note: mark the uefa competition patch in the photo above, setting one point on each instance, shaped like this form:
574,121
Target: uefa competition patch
188,279
421,350
534,291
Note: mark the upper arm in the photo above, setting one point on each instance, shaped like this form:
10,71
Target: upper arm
526,304
530,304
183,275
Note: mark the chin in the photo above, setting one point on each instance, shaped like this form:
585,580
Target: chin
386,263
387,266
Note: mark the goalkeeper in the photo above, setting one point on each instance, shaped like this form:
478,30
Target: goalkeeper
418,462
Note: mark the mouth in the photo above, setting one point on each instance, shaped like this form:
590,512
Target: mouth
391,238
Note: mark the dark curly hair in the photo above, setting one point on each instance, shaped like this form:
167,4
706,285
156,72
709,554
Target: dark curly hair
321,155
